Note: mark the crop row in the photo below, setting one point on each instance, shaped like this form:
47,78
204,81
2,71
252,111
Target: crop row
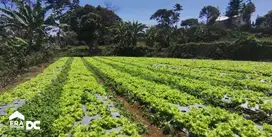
35,85
26,91
215,77
201,89
160,99
43,106
71,104
82,113
261,68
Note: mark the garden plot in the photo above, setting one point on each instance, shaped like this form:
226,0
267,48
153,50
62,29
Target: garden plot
69,100
162,99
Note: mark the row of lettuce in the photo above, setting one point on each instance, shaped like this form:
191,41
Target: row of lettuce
263,68
57,98
217,95
79,91
32,91
240,80
35,85
165,102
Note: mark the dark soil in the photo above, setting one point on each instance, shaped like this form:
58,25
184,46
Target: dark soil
136,111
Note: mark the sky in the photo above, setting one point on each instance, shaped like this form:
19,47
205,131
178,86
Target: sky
141,10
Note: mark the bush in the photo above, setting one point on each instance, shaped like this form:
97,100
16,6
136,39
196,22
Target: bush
265,41
133,51
203,33
16,60
247,49
75,51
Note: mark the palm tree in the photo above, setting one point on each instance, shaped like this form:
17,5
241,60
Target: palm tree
30,19
167,35
151,34
210,13
120,31
136,29
127,33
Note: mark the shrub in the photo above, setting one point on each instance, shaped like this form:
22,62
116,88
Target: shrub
135,51
247,49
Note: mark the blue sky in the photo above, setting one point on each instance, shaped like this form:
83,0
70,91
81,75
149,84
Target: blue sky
141,10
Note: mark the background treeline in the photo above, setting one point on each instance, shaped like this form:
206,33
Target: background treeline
35,31
209,36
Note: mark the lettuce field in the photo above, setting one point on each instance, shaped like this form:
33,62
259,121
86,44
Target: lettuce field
76,97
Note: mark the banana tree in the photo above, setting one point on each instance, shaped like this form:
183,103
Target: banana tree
167,35
136,30
151,35
31,20
121,33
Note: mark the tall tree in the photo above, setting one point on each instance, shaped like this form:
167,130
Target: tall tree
259,21
268,20
189,22
248,10
264,21
31,20
211,13
128,33
151,35
166,36
62,4
234,8
88,28
111,7
136,30
107,20
120,32
167,17
166,20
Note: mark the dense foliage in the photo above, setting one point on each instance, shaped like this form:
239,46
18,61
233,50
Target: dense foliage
48,27
28,46
137,39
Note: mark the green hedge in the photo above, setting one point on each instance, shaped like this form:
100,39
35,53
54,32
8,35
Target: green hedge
75,51
246,50
138,51
265,41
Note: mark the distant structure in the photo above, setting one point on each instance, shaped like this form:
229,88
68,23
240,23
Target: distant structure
221,21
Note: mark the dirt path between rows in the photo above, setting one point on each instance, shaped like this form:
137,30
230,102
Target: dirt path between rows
139,115
136,111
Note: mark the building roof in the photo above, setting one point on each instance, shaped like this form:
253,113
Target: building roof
222,18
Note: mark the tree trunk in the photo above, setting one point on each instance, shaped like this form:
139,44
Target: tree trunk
134,41
30,39
168,41
90,45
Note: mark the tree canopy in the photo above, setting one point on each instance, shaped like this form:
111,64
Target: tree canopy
167,17
211,13
189,22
